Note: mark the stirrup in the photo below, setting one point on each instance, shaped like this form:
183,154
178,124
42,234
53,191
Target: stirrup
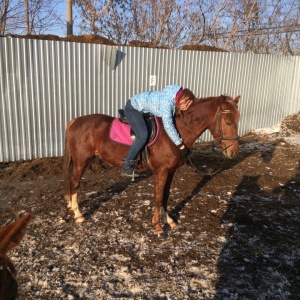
131,175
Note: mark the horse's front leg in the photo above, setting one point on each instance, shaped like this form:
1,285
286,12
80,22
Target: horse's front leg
160,179
167,219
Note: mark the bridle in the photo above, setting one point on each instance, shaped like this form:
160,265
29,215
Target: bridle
217,118
220,134
221,137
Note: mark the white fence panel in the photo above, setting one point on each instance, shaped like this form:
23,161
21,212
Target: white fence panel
44,84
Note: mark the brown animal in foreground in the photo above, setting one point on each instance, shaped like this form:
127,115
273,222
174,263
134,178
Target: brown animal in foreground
88,136
10,237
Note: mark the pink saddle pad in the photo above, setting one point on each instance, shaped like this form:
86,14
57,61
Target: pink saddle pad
120,132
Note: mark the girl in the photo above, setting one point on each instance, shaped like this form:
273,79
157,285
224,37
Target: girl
160,104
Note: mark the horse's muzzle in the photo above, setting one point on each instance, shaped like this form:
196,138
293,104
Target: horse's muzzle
231,151
230,154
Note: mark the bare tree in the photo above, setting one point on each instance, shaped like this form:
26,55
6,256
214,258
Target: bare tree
40,15
3,18
153,20
160,23
28,16
204,21
258,26
88,12
10,11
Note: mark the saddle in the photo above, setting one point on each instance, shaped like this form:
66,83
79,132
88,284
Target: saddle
151,122
122,133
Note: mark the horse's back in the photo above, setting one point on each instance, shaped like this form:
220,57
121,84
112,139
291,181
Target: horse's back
89,123
87,136
93,118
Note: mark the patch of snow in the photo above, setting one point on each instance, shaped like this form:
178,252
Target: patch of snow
293,140
268,130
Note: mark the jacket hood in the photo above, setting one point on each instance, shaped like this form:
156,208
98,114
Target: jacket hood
172,90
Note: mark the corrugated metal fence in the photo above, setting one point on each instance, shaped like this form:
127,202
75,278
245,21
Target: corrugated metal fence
44,84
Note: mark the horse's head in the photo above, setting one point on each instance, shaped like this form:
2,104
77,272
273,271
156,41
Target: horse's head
225,126
10,237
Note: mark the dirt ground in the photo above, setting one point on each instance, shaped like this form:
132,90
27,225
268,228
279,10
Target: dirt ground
238,233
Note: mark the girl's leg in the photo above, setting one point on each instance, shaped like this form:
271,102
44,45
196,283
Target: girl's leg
139,126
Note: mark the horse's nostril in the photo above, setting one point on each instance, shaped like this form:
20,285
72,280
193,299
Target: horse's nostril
233,154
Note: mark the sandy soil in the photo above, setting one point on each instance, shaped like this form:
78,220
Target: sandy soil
238,233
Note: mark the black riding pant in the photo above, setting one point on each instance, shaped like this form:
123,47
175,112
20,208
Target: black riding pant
139,126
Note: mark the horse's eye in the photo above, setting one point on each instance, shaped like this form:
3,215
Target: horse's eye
228,121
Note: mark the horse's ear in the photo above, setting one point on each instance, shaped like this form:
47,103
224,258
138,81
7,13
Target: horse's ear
223,99
11,235
237,99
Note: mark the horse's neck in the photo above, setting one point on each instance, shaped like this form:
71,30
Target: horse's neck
199,117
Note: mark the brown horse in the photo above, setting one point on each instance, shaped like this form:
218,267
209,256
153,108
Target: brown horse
10,237
88,136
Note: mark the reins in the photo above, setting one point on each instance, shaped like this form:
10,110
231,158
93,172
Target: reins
207,174
220,139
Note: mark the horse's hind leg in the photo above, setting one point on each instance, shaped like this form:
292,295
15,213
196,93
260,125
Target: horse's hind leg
78,169
78,217
167,219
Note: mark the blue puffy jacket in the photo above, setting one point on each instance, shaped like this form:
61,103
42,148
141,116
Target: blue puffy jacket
160,104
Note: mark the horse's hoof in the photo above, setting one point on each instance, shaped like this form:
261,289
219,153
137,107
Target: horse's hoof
80,219
172,225
158,231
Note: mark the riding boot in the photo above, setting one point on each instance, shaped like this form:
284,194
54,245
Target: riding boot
129,168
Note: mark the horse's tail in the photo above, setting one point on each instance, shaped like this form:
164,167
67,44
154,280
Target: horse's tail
68,165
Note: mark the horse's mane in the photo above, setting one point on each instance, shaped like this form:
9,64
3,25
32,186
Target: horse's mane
232,106
210,102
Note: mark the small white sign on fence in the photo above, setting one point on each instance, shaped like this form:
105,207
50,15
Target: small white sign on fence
152,80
